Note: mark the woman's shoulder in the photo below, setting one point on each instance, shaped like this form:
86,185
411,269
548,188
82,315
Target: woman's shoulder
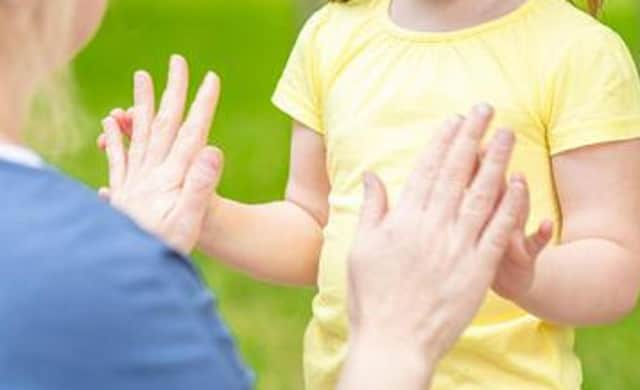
78,277
46,201
55,224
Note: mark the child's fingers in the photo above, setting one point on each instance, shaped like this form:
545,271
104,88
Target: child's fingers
115,153
119,115
517,252
124,119
536,242
128,128
102,141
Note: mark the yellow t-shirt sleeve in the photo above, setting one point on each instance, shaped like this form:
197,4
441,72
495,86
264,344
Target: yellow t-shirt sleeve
298,92
595,95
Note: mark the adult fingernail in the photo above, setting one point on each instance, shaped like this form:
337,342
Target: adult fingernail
518,178
366,178
216,160
517,183
505,137
455,121
210,78
212,159
139,77
483,110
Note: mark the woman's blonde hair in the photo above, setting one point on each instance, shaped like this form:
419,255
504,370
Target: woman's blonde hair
35,35
594,6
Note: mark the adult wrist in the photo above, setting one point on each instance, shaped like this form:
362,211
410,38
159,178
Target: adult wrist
398,359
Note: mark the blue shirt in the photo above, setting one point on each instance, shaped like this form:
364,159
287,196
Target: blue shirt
88,301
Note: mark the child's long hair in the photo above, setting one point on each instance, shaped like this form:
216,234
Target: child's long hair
594,6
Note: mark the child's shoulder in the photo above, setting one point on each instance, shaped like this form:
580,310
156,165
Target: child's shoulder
557,37
337,20
569,30
337,29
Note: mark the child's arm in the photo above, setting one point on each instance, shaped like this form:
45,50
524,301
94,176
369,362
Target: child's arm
593,276
278,241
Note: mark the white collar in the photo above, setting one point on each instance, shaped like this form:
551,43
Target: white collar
20,155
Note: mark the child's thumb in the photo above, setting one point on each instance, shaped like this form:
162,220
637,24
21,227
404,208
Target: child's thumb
540,239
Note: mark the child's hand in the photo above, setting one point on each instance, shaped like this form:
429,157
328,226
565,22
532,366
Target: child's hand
517,269
124,121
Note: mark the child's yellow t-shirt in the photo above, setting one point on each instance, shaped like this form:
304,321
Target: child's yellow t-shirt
376,91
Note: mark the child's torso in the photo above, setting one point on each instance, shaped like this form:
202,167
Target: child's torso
385,96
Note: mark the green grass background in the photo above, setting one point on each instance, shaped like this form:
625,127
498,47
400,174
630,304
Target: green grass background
247,43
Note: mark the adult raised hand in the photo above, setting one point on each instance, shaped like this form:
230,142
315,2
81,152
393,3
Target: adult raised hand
419,272
166,177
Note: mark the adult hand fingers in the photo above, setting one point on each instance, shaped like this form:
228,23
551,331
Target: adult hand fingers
461,161
480,200
526,207
495,238
144,107
193,134
202,178
115,153
171,111
418,188
374,205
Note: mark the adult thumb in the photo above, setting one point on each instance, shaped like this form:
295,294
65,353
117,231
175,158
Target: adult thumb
374,205
187,218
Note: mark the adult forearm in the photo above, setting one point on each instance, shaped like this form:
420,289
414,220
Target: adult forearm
585,282
278,241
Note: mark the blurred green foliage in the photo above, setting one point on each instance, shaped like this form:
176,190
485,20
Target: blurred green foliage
247,43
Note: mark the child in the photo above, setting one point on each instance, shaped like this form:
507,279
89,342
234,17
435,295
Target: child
366,82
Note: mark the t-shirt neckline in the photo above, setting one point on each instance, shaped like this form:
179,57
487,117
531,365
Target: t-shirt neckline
384,11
